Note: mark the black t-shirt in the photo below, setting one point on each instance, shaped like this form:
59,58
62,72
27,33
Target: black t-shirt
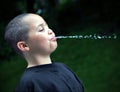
54,77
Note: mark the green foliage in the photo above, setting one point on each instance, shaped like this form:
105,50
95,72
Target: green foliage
64,3
10,72
21,6
5,51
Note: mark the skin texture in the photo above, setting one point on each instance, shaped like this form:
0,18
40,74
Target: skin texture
41,41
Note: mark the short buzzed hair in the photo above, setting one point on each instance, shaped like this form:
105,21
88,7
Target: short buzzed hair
17,30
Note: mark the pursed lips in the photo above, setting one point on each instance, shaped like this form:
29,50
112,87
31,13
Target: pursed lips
53,38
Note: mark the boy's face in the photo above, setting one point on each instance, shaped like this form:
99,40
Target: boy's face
41,39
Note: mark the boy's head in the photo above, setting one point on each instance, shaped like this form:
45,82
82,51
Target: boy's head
29,33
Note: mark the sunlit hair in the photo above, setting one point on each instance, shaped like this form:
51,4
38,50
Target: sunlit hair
17,30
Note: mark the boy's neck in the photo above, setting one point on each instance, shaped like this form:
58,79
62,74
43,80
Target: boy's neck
38,60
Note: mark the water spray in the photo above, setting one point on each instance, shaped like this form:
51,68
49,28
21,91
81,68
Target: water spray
94,36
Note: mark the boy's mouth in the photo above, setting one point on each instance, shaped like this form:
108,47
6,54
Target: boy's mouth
53,38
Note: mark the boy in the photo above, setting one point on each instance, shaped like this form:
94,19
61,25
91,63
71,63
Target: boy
29,35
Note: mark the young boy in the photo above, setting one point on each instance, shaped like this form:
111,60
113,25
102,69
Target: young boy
29,35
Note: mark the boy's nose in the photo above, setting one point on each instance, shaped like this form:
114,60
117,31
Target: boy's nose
50,31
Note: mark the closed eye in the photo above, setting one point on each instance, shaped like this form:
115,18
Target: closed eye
41,29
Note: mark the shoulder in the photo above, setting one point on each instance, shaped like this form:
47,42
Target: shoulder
26,79
29,80
25,83
59,64
62,67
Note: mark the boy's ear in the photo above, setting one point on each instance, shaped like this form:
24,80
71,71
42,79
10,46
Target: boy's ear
23,46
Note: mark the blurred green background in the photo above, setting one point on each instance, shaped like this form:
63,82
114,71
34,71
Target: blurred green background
95,61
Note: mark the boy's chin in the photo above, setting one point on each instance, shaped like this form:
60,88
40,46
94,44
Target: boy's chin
53,49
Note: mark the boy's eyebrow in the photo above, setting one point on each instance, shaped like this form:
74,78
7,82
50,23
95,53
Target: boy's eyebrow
39,25
42,25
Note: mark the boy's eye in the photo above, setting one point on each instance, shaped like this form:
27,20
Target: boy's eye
41,29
